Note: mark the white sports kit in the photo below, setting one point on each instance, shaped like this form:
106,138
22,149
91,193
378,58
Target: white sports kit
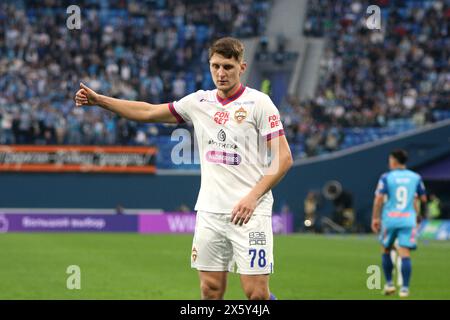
231,135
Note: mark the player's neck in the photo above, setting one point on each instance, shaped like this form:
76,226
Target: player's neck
226,94
399,168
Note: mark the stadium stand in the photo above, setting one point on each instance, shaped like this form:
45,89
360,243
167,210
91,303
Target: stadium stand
156,51
150,50
374,84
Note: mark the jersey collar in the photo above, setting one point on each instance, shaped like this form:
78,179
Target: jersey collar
233,97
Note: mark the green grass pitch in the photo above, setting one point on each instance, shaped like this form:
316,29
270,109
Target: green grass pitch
133,266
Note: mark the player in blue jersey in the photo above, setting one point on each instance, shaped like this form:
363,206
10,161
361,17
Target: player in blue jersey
396,200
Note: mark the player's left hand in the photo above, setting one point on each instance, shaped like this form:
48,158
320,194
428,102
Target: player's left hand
375,225
244,209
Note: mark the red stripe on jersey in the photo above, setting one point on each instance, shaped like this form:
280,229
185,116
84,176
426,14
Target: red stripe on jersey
175,113
399,214
275,134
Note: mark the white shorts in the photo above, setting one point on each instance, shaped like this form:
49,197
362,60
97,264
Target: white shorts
219,244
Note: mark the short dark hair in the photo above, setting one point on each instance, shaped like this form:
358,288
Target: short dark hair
228,47
400,155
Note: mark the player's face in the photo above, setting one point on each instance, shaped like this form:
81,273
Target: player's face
225,72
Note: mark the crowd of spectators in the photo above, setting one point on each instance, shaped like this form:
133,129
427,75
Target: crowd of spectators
156,51
152,50
370,77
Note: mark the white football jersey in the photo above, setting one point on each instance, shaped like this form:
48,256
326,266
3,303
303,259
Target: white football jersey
231,135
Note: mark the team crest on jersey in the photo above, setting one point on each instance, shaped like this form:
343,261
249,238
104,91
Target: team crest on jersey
194,254
240,115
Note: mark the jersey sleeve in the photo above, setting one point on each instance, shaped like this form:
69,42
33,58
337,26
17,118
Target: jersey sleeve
182,109
268,119
382,188
420,188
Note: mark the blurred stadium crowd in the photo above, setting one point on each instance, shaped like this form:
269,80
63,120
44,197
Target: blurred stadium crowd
142,50
373,83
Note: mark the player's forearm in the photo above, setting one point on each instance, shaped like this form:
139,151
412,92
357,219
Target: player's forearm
132,110
271,180
423,204
377,205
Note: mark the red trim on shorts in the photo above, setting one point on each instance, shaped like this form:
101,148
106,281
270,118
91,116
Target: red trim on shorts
413,236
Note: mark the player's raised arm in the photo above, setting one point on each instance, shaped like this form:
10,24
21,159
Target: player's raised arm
132,110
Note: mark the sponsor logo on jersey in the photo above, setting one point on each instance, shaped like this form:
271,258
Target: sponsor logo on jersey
399,214
221,117
222,144
221,135
206,100
223,157
238,103
274,120
4,224
257,239
240,115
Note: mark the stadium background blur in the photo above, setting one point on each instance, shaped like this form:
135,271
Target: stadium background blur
347,96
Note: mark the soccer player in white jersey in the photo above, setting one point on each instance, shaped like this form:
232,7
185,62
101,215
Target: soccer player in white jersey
234,206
